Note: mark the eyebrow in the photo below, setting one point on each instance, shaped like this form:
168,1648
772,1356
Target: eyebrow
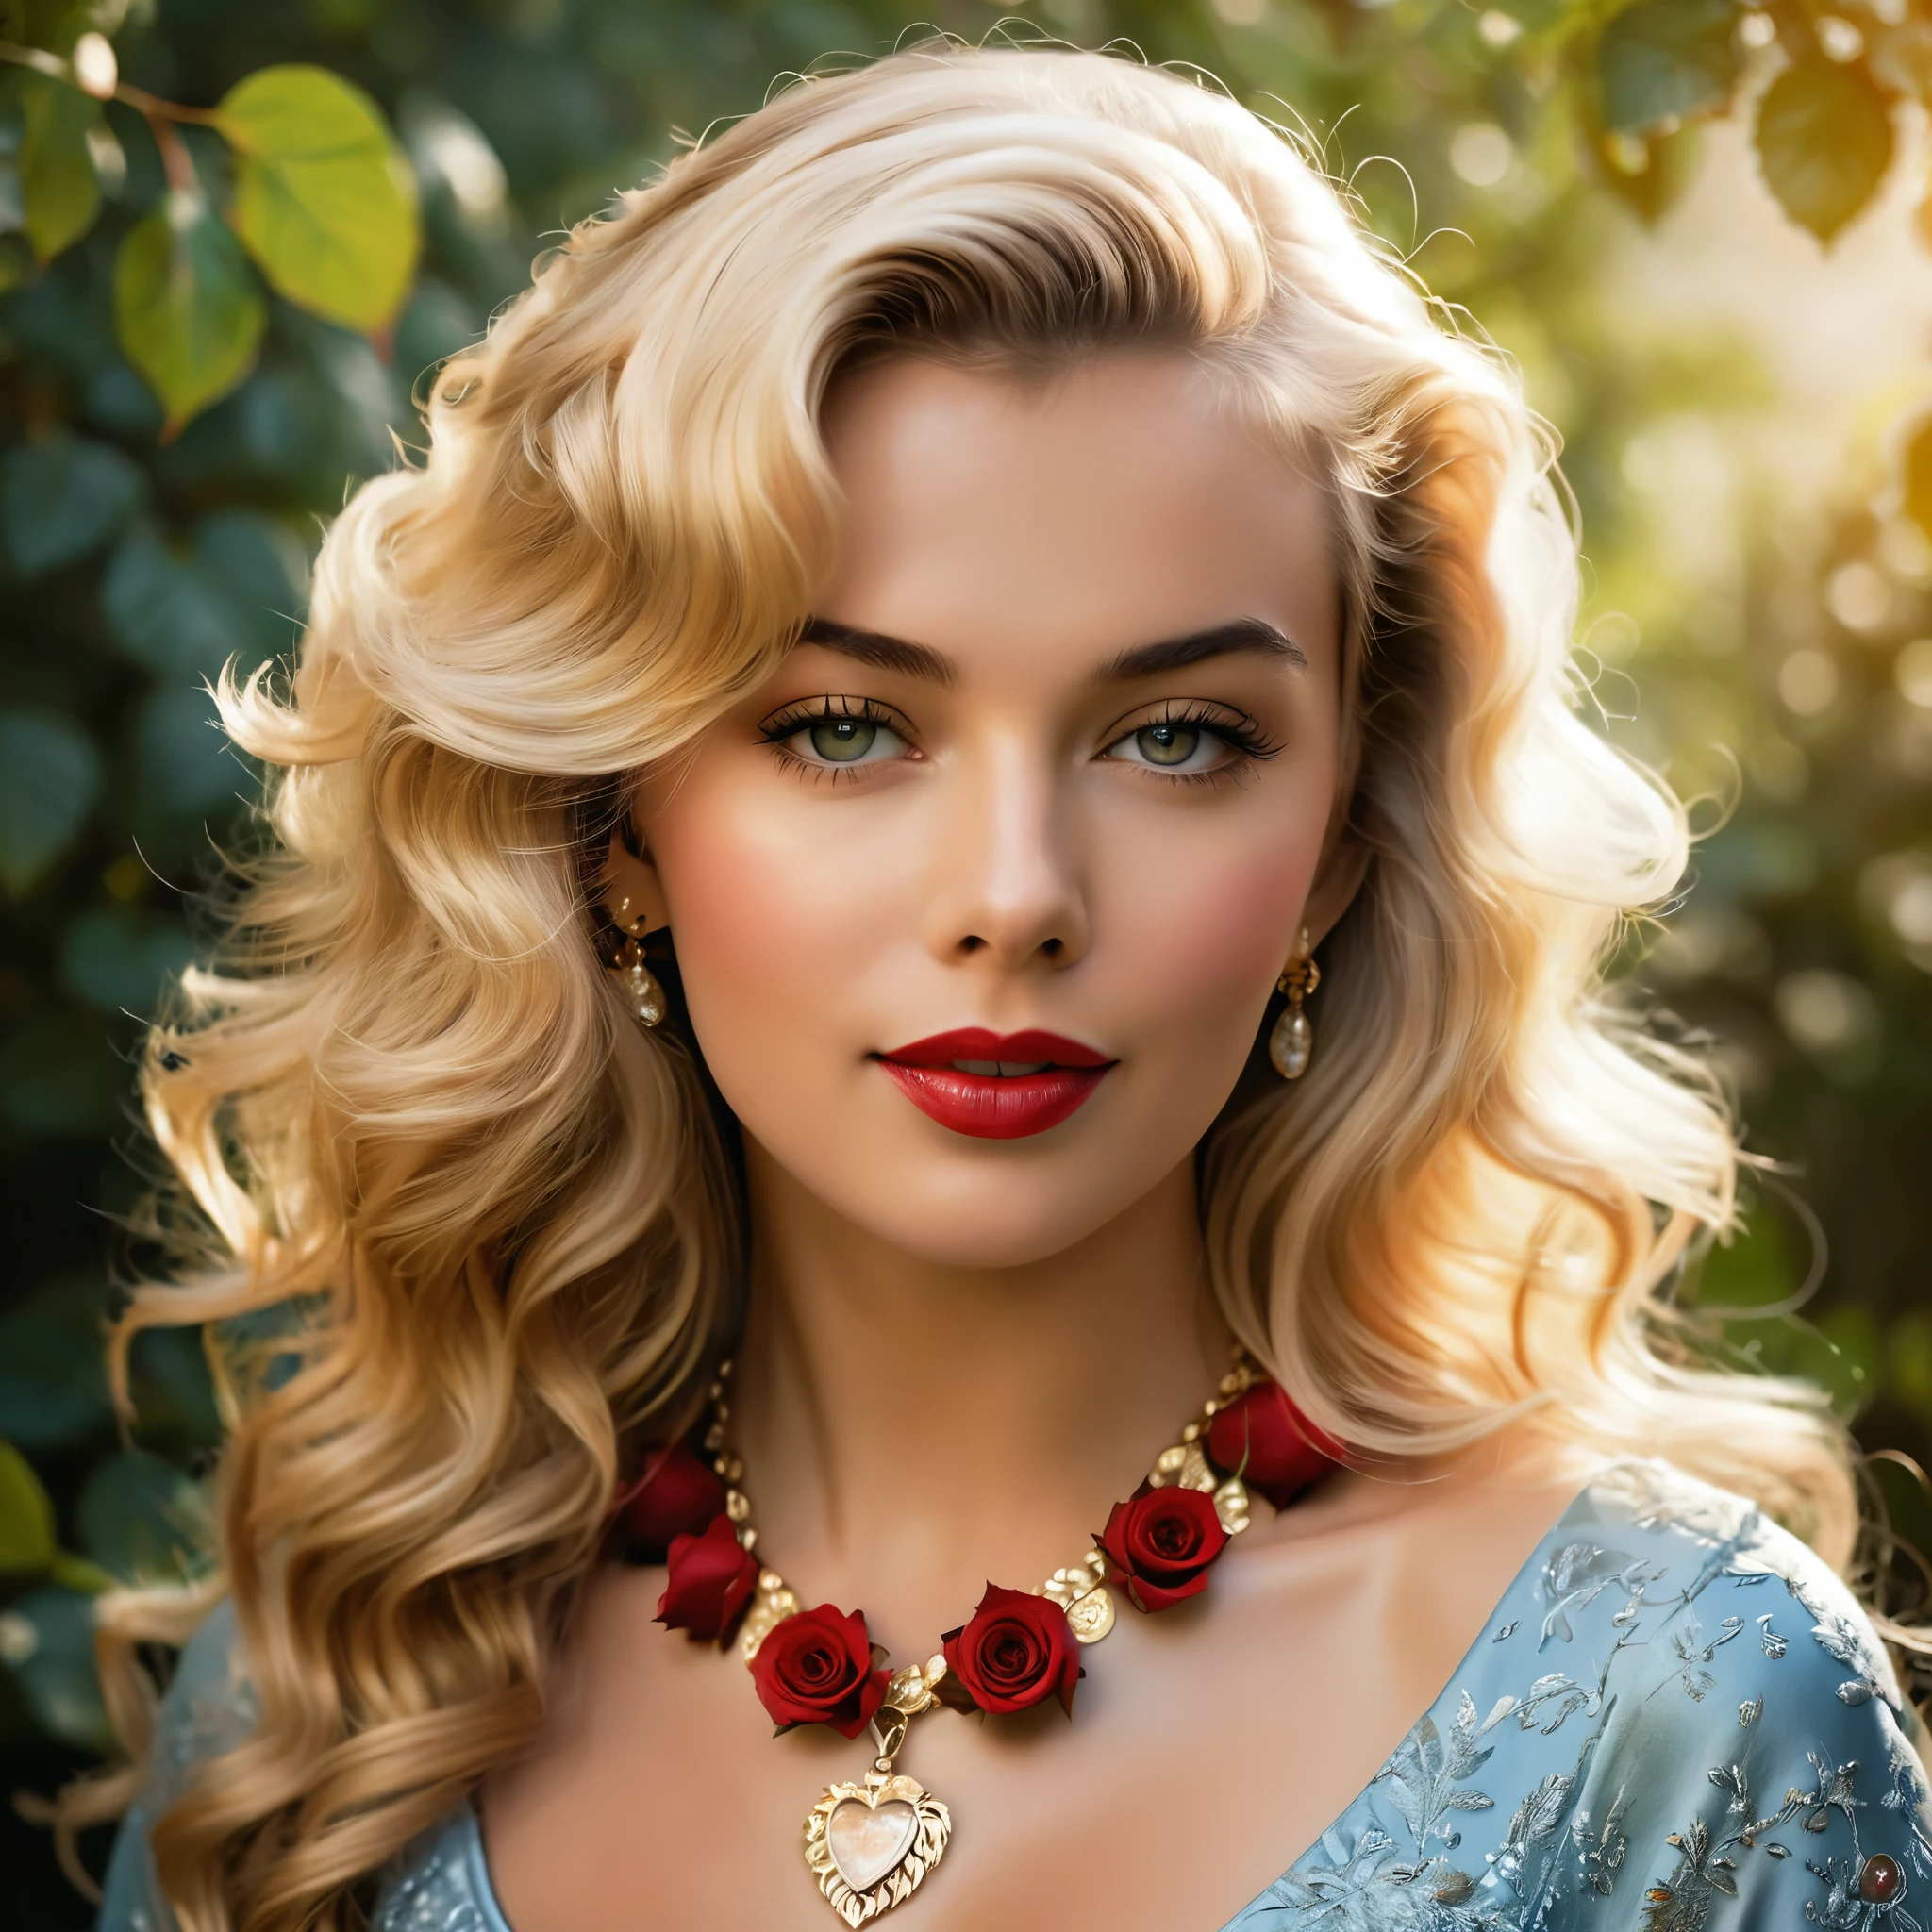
883,653
1251,634
1241,634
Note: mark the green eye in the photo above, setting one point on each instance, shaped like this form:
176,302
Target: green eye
843,740
1167,745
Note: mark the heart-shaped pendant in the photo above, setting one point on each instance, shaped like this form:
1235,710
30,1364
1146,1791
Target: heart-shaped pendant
870,1846
867,1840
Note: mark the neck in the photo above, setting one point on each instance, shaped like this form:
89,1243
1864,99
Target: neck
913,1428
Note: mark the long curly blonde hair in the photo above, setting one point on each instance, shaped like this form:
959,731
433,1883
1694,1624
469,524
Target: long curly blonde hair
408,1111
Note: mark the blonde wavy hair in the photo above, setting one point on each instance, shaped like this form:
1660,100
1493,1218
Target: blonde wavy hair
408,1110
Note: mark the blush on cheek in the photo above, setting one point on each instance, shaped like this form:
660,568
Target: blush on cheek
1207,956
1223,920
773,930
1248,921
1217,956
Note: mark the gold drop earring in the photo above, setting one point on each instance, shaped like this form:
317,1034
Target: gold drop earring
1293,1038
641,992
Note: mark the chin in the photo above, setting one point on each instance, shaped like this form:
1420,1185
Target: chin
996,1227
952,1200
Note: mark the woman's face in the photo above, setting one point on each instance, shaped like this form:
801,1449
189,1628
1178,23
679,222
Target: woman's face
1057,758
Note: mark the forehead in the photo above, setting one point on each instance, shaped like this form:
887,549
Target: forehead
1122,500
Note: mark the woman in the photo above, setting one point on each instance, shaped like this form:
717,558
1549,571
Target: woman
987,561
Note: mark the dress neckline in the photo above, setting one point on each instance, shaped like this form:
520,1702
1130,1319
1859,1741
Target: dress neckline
1523,1581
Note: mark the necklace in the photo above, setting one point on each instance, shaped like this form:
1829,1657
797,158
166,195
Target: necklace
870,1844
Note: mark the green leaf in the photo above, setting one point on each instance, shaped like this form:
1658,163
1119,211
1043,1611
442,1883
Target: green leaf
183,757
118,957
78,1573
1662,61
238,592
172,1389
322,198
186,308
167,612
58,187
49,774
61,497
141,1519
1825,140
26,1516
57,1670
52,1380
263,570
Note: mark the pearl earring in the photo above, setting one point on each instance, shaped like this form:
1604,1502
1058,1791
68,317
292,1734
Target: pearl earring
641,992
1293,1038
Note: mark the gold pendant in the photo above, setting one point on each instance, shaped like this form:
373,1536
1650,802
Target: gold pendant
870,1846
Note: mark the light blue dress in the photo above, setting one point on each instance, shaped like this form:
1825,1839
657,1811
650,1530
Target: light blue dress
1677,1719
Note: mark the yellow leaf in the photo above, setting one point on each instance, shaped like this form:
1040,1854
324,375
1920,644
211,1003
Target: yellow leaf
321,199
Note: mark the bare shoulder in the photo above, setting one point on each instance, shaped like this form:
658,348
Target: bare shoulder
1469,1524
1395,1575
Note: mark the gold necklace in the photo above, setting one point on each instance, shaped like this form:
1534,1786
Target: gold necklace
870,1844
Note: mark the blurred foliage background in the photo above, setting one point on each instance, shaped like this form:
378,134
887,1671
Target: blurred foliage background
1697,224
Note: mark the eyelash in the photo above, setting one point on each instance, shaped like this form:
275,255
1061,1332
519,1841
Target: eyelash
794,717
1235,729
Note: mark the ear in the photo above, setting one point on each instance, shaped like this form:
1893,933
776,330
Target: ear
633,893
1338,880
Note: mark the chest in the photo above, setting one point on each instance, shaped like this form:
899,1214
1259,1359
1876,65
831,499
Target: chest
1209,1746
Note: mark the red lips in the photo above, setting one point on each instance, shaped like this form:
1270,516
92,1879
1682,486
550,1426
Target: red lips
992,1106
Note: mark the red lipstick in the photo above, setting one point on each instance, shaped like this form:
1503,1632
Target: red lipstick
996,1086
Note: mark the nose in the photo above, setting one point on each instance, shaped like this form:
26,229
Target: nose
1006,883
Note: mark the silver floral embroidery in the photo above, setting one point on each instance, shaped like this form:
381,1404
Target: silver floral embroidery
1844,1643
1573,1578
1364,1887
1657,1616
1555,1697
1599,1852
1427,1777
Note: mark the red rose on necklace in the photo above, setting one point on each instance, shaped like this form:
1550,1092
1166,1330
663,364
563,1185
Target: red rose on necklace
1266,1441
713,1578
817,1667
677,1495
1159,1544
1014,1652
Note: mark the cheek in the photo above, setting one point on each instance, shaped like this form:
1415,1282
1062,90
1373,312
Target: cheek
1200,975
1211,919
1227,919
778,914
